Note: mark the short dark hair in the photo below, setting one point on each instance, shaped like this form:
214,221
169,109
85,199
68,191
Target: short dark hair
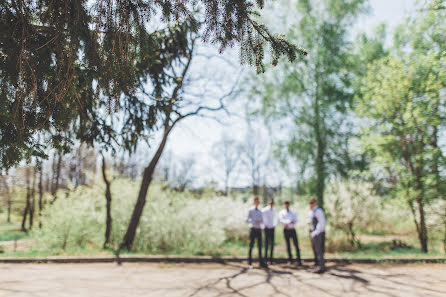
256,198
286,202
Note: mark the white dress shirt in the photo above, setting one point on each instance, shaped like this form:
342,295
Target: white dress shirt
255,215
310,218
288,218
269,217
320,216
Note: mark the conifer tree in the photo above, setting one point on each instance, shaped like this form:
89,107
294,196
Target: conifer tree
57,58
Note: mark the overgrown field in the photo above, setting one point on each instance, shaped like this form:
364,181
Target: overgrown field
181,223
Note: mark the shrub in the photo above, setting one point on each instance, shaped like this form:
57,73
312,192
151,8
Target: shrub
352,206
73,221
171,221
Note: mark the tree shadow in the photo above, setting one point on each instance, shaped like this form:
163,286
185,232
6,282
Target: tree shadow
229,288
341,278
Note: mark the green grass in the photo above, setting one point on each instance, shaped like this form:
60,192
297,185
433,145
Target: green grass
10,231
35,253
234,247
387,249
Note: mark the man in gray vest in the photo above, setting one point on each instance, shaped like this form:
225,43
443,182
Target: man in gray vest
317,226
255,220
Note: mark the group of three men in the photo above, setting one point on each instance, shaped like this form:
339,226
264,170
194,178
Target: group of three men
266,219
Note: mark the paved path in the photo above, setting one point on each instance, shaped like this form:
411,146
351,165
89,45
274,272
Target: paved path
195,280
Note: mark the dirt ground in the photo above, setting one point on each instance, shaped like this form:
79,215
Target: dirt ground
132,280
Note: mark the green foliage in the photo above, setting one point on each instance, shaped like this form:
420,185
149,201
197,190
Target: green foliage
73,221
65,64
184,224
401,103
311,98
171,222
42,97
352,206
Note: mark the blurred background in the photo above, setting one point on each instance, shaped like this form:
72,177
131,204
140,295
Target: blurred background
359,123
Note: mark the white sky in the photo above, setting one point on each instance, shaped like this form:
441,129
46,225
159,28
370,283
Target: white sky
196,136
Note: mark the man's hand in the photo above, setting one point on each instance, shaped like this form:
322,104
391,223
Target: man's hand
257,223
313,234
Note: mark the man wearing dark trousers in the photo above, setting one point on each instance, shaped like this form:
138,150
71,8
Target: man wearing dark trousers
310,223
318,234
289,218
255,220
270,222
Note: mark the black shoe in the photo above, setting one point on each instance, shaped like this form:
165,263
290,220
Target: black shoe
263,264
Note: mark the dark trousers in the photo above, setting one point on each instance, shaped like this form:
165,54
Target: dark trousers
255,234
269,243
319,249
291,234
314,251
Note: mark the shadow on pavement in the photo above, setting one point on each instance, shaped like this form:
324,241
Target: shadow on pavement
338,280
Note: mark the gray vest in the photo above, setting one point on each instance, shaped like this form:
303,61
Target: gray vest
314,220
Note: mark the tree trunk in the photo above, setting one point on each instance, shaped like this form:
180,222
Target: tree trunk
33,200
56,176
8,201
28,196
444,237
129,236
147,177
320,151
423,229
421,213
108,199
255,189
437,151
9,210
420,224
40,203
265,194
414,215
353,240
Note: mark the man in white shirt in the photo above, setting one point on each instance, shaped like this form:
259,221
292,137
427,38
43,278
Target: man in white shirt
270,222
289,218
317,227
255,220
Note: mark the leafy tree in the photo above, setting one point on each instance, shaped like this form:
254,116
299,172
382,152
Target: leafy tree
436,4
312,97
176,104
59,58
402,105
